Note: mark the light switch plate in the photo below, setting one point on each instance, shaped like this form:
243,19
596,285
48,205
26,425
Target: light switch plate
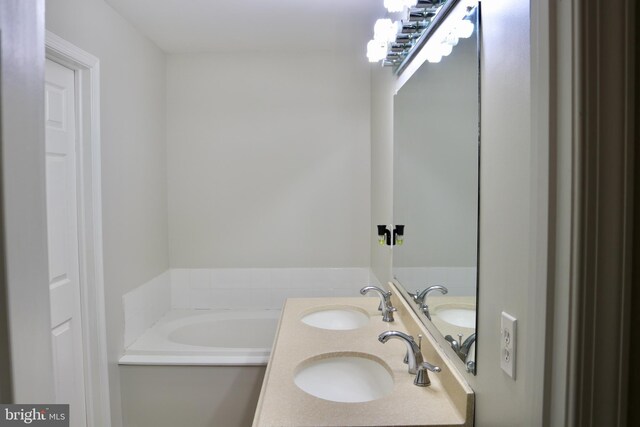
508,325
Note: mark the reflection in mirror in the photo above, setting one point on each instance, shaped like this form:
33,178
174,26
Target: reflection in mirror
436,156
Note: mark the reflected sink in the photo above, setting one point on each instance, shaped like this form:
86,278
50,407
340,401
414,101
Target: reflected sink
457,316
343,318
344,379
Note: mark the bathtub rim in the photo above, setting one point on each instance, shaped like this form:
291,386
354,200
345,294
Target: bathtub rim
154,348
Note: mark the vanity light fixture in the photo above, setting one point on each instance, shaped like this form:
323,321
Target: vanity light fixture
386,30
464,28
398,5
433,25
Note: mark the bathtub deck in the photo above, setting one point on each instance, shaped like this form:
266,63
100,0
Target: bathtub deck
154,346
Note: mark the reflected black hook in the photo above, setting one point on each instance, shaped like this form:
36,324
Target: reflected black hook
385,237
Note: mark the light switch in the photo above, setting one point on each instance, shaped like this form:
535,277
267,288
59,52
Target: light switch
508,325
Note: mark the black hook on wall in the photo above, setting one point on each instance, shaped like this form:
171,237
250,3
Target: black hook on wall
386,237
398,235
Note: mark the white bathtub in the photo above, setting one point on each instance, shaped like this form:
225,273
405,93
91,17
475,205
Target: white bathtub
206,337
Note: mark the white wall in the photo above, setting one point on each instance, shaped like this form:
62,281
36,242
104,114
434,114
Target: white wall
268,160
133,155
23,252
382,90
508,222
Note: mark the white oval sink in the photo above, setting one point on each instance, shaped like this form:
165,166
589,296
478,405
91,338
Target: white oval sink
344,379
462,317
336,318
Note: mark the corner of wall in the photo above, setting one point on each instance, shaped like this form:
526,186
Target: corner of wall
382,87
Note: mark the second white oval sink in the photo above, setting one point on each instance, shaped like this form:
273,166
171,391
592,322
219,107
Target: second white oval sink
342,318
345,379
462,317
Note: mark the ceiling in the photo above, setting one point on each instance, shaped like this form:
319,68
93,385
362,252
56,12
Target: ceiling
180,26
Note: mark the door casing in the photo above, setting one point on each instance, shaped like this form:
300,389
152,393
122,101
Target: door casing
87,75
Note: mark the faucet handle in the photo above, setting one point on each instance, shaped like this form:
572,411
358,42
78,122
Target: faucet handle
424,307
455,345
414,296
386,297
422,376
387,315
471,366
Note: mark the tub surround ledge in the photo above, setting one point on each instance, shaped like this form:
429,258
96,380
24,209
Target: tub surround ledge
448,401
206,337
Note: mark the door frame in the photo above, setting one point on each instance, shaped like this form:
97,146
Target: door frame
86,68
583,105
604,226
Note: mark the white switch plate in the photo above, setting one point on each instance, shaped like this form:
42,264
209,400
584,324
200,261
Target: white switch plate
508,325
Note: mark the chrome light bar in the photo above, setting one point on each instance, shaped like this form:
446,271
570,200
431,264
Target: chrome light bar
396,42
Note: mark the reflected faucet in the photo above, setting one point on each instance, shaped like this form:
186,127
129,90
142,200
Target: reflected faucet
385,302
420,297
462,349
415,361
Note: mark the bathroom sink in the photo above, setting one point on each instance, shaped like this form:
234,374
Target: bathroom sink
342,318
344,378
457,316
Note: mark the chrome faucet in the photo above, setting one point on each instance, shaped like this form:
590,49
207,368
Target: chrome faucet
414,355
415,361
420,297
385,302
462,348
422,376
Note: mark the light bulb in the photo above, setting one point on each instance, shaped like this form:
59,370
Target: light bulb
394,6
445,48
376,50
433,57
451,39
470,6
464,29
385,30
433,51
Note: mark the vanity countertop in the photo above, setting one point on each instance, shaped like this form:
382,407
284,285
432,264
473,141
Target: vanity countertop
448,401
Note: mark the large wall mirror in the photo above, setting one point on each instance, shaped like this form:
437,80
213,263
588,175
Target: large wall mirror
436,161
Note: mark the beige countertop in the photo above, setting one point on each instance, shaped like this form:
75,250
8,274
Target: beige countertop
447,402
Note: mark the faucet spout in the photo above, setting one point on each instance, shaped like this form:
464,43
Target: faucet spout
385,302
466,346
414,355
462,348
421,297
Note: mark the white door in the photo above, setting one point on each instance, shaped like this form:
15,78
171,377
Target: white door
62,223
